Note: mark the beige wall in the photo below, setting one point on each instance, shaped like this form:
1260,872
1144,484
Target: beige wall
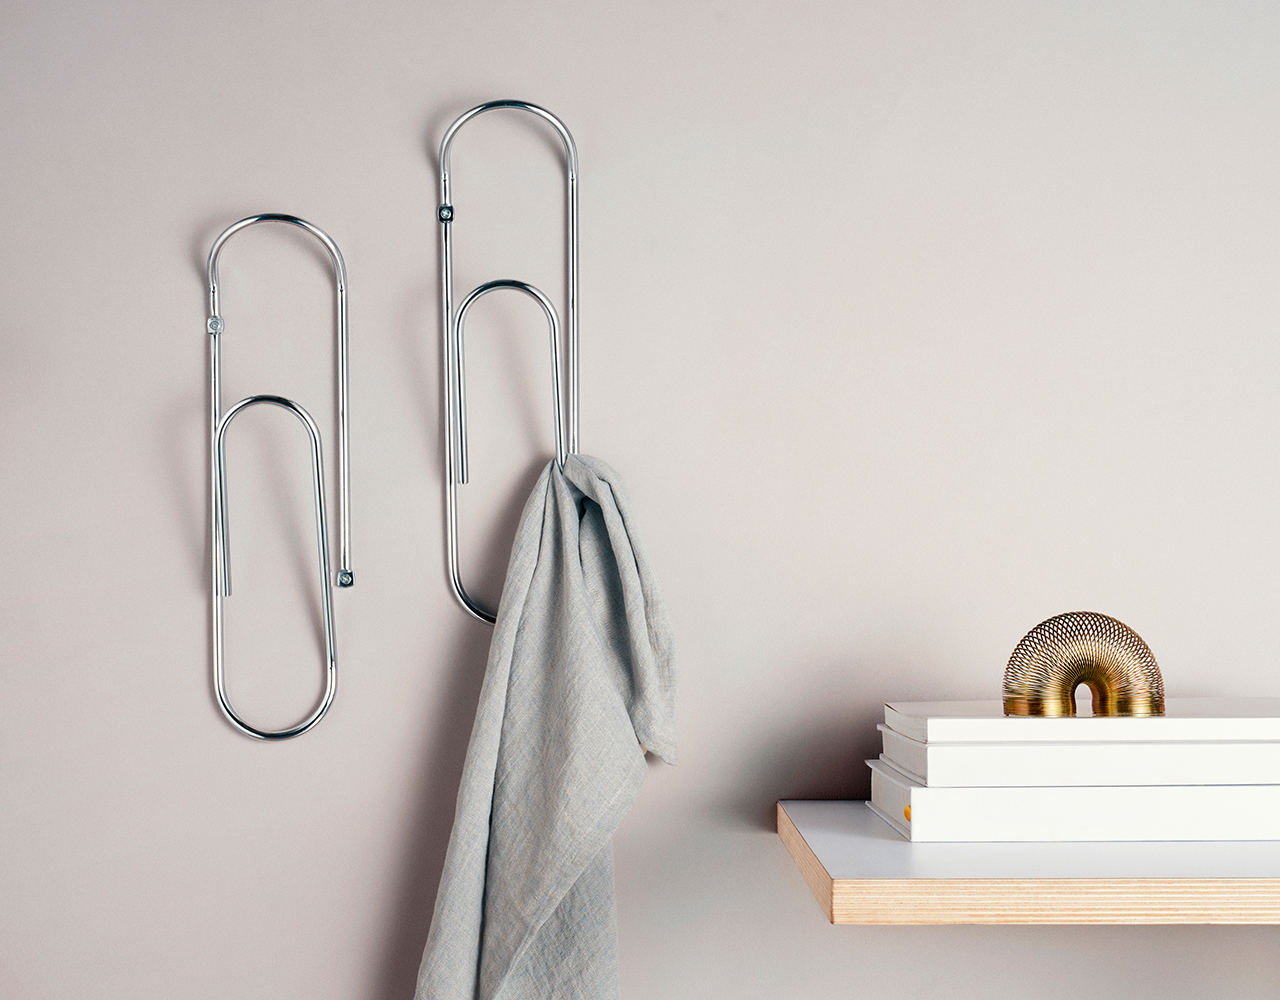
909,325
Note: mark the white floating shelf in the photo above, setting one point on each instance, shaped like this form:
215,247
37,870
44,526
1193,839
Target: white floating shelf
864,872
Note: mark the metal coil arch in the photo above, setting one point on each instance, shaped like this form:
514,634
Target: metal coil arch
1082,647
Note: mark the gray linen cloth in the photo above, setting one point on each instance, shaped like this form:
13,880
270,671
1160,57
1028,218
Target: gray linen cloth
580,681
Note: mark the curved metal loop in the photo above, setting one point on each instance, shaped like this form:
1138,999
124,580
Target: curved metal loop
1082,647
451,327
216,327
553,328
453,431
326,587
220,585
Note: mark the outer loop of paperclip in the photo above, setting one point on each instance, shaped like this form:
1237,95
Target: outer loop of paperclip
222,546
220,583
455,451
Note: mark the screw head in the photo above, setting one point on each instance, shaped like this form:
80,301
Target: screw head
215,324
346,579
446,213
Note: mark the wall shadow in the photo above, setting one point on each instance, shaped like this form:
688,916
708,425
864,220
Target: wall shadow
816,746
441,765
815,758
183,420
427,837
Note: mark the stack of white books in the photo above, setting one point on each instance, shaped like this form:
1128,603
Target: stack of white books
1208,769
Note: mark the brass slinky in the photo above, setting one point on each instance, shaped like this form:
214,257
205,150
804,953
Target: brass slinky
1082,647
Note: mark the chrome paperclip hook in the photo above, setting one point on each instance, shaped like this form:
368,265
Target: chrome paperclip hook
451,327
220,583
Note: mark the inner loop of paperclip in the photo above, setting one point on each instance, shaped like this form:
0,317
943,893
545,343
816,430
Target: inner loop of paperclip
223,582
459,374
456,429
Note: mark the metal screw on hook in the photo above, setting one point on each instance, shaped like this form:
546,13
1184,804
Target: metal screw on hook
446,213
215,324
346,579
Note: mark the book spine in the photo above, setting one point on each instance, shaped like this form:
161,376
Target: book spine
950,765
1091,813
1091,729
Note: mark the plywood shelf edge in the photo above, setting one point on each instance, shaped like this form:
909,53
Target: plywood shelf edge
861,872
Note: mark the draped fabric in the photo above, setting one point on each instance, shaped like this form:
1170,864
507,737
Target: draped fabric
580,682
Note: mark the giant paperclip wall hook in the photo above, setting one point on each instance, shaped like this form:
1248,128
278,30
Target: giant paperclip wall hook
566,410
219,530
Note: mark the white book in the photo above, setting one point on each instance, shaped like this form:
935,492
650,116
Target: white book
957,765
1185,720
1091,812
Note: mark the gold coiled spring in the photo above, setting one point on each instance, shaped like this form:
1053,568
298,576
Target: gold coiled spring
1082,647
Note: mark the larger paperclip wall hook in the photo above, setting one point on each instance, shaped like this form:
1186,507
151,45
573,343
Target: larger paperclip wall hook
566,416
220,584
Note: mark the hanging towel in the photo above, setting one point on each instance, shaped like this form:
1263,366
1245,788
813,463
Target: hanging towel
580,682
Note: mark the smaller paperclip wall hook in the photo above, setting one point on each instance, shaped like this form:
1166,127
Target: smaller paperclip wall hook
566,409
220,584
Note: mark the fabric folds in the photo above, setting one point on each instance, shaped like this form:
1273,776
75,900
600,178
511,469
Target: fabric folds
580,681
